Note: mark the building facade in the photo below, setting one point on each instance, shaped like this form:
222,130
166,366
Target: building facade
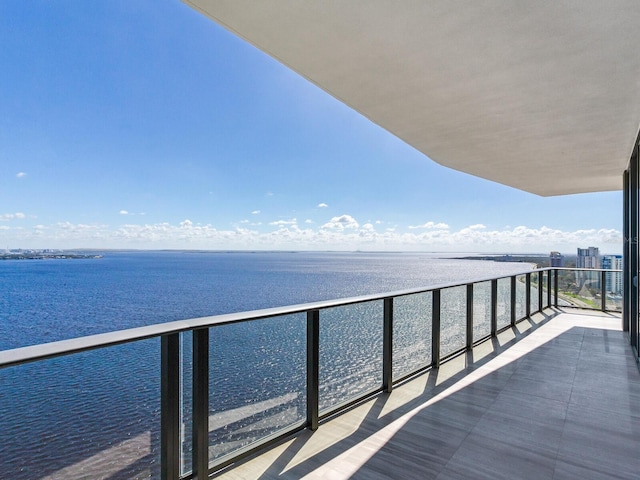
614,280
556,259
588,258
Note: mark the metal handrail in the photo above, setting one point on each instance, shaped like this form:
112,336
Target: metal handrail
44,351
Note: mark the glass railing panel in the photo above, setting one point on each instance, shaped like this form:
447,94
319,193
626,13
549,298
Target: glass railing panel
535,305
453,319
579,288
350,352
503,307
552,283
521,297
548,285
566,287
94,414
613,289
257,381
412,315
544,279
481,310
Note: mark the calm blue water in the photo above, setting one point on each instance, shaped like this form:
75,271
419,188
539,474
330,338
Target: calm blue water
101,408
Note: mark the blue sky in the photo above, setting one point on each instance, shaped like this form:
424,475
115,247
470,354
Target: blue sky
145,125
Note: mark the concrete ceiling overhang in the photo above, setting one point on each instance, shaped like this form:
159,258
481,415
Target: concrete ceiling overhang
543,96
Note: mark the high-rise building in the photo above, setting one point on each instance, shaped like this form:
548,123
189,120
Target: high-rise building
556,259
588,258
614,280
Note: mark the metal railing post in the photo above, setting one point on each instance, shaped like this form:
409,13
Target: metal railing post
313,368
435,329
494,307
603,290
170,407
200,452
555,288
539,291
469,335
528,295
549,288
514,293
387,346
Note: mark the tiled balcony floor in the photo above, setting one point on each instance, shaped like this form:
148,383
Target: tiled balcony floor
558,397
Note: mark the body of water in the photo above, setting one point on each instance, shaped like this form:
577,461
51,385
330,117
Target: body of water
96,414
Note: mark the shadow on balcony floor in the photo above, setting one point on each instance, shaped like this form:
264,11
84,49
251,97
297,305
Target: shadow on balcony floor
555,397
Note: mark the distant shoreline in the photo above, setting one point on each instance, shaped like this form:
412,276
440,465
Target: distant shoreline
46,256
540,261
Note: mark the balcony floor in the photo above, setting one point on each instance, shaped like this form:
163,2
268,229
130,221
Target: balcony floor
558,397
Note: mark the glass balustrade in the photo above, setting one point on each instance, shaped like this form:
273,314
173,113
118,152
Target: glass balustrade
453,307
481,310
58,421
201,393
411,333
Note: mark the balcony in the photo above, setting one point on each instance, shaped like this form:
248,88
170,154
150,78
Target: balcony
493,376
497,378
555,396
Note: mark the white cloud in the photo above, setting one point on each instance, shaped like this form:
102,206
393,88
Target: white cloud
246,222
12,216
341,233
341,223
430,225
21,175
124,212
308,221
322,205
284,223
255,212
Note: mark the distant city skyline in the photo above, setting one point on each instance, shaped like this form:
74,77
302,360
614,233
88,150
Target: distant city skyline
145,125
